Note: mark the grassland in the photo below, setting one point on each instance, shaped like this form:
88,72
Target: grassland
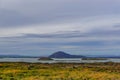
60,71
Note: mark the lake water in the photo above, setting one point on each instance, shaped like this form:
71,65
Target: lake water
56,60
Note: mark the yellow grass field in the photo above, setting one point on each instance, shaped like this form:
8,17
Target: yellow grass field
60,71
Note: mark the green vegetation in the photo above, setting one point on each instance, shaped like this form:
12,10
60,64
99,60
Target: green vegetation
60,71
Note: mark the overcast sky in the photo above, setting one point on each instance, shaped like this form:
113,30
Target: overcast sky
41,27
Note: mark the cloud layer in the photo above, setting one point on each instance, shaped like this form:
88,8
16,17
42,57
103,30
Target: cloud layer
40,27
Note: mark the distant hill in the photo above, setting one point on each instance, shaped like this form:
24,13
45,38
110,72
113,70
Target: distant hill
61,54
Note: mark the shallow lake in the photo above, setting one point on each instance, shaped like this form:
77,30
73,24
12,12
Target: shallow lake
56,60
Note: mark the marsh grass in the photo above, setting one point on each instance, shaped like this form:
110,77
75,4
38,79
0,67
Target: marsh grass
60,71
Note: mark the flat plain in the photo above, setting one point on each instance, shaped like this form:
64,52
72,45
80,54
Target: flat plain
59,71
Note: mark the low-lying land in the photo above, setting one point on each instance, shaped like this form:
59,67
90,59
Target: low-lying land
60,71
94,58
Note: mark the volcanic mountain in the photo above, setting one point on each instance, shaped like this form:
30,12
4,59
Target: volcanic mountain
61,54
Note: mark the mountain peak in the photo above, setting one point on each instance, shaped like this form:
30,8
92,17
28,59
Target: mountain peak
61,54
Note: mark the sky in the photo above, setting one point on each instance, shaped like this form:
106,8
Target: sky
42,27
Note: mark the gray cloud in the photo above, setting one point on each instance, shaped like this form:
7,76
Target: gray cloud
77,34
34,26
17,13
11,18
